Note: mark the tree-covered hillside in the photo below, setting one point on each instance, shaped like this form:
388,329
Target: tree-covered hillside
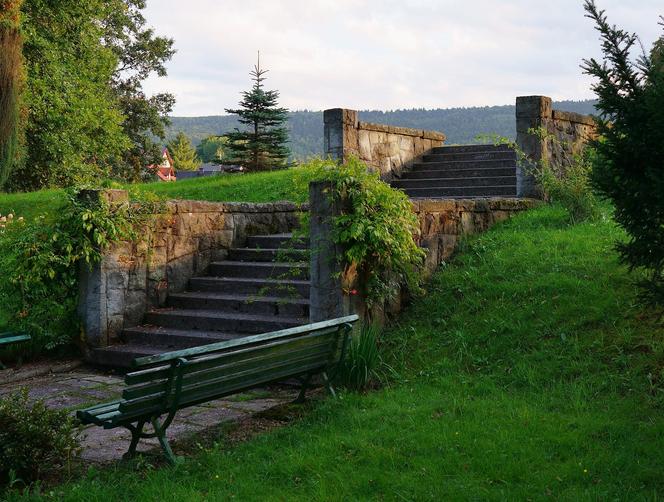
461,125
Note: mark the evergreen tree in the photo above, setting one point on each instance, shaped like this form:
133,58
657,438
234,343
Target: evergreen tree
263,145
183,153
629,170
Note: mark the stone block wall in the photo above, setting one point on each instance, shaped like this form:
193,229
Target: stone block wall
181,243
386,149
569,133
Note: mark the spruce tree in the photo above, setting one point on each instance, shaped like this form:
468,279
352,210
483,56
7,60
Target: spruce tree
183,153
629,167
262,146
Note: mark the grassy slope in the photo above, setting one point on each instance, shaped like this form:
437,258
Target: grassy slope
523,374
258,187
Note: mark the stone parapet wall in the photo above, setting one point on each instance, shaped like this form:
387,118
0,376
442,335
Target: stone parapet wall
387,149
569,133
179,244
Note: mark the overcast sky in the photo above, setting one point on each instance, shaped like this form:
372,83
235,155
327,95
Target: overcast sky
384,54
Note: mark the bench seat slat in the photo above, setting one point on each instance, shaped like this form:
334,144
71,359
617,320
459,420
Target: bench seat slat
199,369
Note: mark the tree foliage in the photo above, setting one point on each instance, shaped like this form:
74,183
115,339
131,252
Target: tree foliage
629,169
183,153
87,115
11,88
262,145
213,149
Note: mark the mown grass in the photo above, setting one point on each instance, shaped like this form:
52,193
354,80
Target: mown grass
254,187
528,372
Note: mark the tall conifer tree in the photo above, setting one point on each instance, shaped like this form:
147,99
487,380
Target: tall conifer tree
262,146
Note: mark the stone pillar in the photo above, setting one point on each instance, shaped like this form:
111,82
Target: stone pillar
532,112
326,296
341,137
95,306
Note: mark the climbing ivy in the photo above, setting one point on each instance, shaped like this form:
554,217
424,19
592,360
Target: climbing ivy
375,229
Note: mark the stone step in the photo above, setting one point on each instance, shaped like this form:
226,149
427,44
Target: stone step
462,192
433,162
471,148
255,254
455,182
122,355
424,173
276,241
245,304
259,270
291,288
479,155
172,339
212,320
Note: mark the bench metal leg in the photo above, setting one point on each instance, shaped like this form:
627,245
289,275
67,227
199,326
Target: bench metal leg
163,441
328,385
136,434
303,389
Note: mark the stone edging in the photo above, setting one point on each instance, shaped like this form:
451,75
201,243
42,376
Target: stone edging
576,118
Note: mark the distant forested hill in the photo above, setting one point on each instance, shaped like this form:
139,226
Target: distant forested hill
461,125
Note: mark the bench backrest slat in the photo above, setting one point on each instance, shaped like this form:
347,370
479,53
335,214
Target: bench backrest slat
219,357
229,383
209,368
245,341
7,338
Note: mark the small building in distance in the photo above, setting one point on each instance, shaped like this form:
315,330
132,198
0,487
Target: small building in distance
166,170
209,169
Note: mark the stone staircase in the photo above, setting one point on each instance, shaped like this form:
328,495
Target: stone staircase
260,288
462,172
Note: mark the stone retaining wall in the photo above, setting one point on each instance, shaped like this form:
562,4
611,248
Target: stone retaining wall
442,223
569,132
386,149
181,243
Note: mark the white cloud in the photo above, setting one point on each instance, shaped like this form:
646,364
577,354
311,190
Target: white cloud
384,54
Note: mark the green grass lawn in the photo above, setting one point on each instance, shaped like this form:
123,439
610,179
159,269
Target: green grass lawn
528,372
256,187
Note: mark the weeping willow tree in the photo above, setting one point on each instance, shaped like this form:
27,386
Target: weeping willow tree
11,87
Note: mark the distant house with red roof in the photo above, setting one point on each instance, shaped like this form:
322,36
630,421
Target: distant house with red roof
164,171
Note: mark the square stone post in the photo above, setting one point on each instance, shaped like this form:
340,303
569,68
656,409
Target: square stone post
532,112
95,301
326,294
341,136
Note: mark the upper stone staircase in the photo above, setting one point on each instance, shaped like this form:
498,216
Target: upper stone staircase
468,171
260,288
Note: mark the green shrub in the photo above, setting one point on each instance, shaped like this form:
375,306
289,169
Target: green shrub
42,258
375,228
629,168
573,190
360,367
34,440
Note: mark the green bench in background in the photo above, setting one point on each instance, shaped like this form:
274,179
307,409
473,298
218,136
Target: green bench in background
166,383
7,339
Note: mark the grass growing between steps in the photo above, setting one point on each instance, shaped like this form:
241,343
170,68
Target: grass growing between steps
526,373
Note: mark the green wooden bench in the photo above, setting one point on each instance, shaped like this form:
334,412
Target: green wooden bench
7,339
166,383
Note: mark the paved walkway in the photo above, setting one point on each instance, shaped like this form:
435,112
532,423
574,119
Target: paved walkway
71,386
